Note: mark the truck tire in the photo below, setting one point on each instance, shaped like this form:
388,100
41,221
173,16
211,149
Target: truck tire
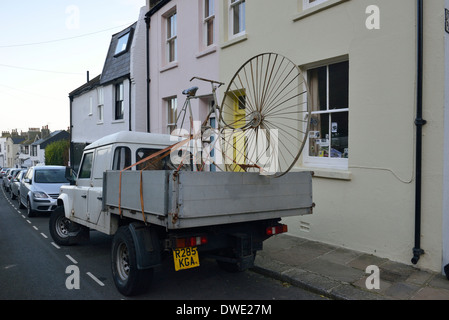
128,279
59,227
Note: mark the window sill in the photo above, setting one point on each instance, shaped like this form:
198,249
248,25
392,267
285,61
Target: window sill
234,40
310,11
169,66
334,174
206,51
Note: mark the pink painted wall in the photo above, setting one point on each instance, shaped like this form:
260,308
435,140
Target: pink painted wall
194,58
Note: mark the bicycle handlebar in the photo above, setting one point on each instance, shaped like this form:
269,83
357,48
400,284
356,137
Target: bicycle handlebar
207,80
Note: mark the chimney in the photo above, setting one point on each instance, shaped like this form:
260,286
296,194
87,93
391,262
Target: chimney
88,78
45,132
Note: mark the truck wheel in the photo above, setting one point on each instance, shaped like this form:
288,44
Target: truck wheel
59,227
128,279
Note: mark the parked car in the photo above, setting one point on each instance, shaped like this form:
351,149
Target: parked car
2,172
39,189
7,182
5,177
15,184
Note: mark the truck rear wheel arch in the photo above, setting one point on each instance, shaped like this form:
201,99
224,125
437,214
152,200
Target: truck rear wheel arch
132,269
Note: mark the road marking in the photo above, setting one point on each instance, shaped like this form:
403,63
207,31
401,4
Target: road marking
23,216
10,266
43,234
35,228
71,259
95,279
29,221
55,245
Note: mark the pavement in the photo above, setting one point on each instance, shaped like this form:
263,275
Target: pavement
340,274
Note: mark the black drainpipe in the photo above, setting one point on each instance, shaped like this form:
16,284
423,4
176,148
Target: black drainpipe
130,104
148,22
72,149
155,6
419,122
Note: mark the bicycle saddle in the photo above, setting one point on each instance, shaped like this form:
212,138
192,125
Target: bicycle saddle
191,92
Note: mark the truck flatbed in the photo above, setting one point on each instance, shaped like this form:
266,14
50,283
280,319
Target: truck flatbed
178,200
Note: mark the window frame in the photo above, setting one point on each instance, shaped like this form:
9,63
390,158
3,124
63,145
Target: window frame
33,151
100,105
122,158
171,113
233,4
124,45
119,105
83,162
326,162
171,36
161,164
208,15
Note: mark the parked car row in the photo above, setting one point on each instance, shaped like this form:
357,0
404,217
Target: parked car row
36,188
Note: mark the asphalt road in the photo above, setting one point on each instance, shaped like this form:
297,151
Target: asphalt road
33,267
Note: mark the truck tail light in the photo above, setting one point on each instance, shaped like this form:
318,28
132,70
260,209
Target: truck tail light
190,242
271,231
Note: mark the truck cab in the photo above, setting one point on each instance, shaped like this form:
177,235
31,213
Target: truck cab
82,201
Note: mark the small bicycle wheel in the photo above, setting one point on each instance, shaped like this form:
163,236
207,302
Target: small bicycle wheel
264,116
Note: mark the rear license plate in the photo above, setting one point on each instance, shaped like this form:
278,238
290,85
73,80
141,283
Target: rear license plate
186,258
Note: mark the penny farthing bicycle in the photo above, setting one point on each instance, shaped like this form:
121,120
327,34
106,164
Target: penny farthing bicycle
264,117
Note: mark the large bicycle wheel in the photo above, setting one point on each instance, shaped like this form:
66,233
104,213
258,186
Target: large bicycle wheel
264,116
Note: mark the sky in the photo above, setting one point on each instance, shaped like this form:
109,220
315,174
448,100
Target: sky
46,49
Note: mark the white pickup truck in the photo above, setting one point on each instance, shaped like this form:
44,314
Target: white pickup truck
161,212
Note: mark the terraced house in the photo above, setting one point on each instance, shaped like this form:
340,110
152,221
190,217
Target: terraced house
377,74
183,43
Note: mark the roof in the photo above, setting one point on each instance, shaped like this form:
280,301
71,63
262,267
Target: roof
118,65
92,84
132,137
17,140
54,136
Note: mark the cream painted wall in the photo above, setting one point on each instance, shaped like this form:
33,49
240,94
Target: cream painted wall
373,211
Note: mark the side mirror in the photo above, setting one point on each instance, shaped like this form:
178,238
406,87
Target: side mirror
70,176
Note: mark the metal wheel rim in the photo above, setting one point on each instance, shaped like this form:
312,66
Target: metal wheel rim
62,227
276,96
123,262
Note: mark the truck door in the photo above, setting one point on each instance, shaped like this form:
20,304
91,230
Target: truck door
95,191
82,186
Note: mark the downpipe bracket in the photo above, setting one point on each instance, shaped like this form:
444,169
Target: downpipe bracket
420,122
